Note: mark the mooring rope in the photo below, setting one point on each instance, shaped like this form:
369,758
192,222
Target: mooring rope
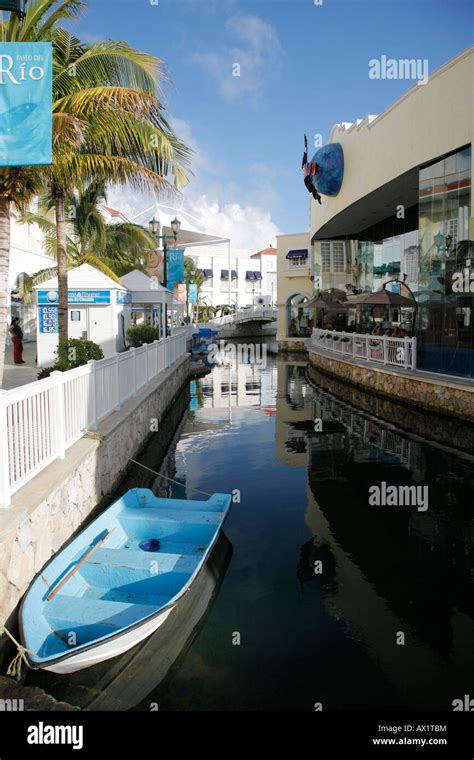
14,669
191,488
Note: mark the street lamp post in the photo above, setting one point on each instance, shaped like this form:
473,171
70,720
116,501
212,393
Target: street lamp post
415,308
155,228
15,6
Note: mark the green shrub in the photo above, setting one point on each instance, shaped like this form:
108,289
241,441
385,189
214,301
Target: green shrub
75,352
138,335
45,372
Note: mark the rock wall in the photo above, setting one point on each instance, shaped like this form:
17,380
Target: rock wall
415,422
52,508
435,395
293,345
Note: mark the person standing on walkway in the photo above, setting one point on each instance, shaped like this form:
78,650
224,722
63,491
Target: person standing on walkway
17,340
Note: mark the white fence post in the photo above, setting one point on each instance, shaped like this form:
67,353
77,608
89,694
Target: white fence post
59,415
134,370
117,380
385,348
5,498
92,396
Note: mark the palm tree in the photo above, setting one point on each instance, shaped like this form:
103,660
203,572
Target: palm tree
114,249
108,124
19,184
192,275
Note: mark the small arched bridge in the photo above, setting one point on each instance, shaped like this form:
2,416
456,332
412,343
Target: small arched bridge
253,319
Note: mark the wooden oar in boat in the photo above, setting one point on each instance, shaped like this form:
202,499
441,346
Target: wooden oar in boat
79,564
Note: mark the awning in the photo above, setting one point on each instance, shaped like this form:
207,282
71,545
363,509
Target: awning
249,275
257,275
233,274
297,253
207,272
224,274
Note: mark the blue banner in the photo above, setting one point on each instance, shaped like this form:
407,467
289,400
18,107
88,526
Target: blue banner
25,103
48,319
175,267
192,293
124,296
75,296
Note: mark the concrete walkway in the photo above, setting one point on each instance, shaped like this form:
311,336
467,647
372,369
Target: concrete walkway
15,375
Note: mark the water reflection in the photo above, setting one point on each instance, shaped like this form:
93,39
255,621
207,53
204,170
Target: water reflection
320,584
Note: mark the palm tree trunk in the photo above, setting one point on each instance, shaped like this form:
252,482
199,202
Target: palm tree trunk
62,266
4,267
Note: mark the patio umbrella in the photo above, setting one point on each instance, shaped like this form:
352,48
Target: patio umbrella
381,298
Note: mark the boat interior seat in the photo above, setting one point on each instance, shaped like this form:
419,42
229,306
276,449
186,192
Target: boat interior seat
89,618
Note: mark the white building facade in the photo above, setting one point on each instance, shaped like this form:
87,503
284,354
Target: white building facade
252,276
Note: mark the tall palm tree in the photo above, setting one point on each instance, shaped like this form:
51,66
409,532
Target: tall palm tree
114,249
108,122
19,184
108,125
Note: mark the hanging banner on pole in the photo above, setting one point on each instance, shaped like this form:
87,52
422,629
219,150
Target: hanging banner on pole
175,267
26,103
192,293
154,266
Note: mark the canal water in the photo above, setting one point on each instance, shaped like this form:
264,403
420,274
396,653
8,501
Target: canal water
314,598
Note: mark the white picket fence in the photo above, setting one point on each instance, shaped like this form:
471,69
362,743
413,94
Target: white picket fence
39,421
400,352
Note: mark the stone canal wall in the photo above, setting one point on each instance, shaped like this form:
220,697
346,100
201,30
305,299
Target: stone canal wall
414,422
53,506
436,395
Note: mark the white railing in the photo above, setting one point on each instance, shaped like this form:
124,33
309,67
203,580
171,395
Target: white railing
399,352
256,312
39,421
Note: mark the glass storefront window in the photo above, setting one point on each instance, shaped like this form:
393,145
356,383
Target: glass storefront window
445,323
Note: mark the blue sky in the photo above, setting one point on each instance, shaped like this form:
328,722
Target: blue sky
303,67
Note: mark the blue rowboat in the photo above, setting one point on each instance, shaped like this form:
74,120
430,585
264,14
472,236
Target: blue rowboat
118,580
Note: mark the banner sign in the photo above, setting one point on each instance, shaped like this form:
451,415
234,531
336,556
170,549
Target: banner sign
154,265
48,319
124,296
179,292
84,297
175,267
26,103
192,293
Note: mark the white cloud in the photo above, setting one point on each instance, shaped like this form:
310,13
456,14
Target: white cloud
213,199
248,227
257,54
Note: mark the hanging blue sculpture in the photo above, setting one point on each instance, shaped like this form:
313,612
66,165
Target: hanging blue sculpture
325,172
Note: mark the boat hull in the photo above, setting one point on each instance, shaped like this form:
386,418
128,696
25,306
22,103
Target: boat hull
109,649
107,591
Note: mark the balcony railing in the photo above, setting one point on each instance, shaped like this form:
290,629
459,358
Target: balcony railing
398,352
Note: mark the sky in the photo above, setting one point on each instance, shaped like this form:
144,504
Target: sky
303,65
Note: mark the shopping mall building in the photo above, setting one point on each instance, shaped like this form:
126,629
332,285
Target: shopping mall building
402,220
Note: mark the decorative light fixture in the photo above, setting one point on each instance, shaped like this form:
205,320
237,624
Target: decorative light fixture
175,226
439,240
15,6
155,227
